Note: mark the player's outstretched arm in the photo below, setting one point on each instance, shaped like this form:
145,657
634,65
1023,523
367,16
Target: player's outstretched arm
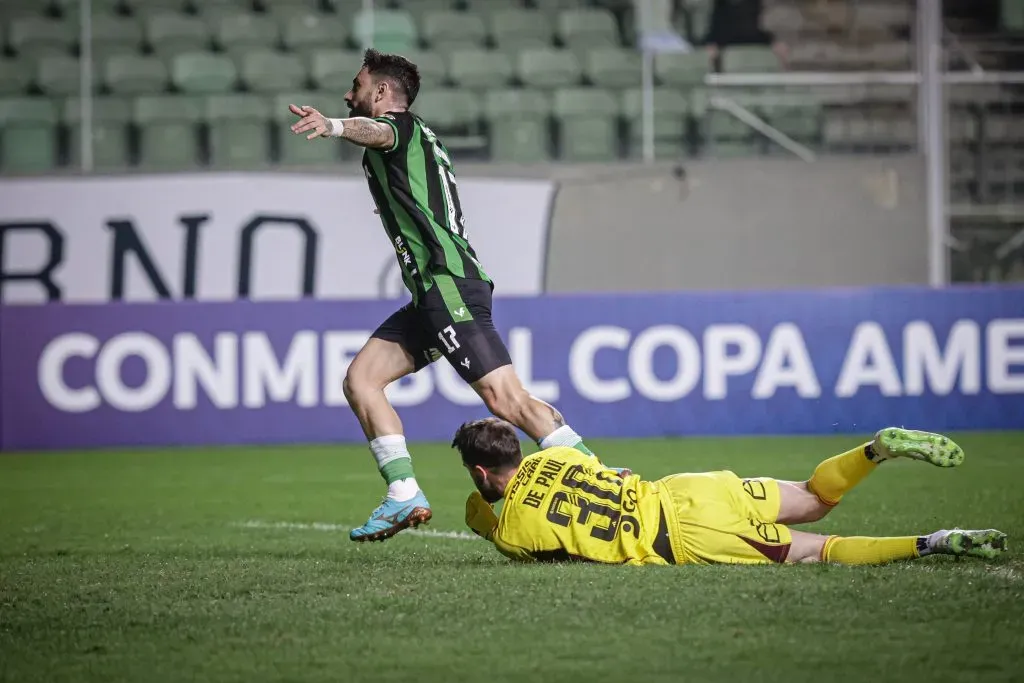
358,130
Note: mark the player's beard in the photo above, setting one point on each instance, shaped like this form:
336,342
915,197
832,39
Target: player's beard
355,110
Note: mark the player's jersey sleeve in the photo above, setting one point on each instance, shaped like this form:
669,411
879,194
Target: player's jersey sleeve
564,505
404,125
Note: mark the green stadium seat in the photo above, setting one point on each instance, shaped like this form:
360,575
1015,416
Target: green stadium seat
749,59
28,137
432,67
308,31
39,36
520,28
588,119
215,10
238,133
335,69
241,32
725,136
203,72
588,28
548,68
135,74
518,121
60,75
386,30
267,71
144,9
110,33
168,130
480,69
15,76
679,69
454,115
1011,15
800,118
454,30
296,150
289,8
110,119
174,33
20,9
671,119
612,67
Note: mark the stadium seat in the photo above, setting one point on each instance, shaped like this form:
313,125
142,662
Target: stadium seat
1011,15
446,109
203,72
798,117
520,28
548,68
28,137
308,31
112,34
39,36
296,150
749,59
588,28
169,33
19,9
587,124
143,9
611,67
518,122
1003,128
678,69
671,119
289,8
238,133
266,71
134,74
168,131
60,75
453,30
236,33
15,76
432,67
419,9
110,119
480,69
335,69
214,10
386,30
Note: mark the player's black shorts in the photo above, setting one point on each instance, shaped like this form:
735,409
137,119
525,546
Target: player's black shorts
453,319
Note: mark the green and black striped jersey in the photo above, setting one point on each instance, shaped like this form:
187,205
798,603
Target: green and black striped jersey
413,185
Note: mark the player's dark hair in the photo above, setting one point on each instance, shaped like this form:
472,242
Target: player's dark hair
490,443
403,74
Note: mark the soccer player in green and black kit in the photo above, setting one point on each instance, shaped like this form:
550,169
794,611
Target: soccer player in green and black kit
411,178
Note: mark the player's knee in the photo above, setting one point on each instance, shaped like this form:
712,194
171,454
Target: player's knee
355,386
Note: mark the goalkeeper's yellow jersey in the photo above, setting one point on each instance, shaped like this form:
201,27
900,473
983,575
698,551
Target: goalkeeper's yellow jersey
565,505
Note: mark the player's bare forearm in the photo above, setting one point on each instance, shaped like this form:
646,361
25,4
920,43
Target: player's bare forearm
368,133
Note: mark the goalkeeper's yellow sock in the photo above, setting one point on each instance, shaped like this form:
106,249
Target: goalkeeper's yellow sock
840,473
866,550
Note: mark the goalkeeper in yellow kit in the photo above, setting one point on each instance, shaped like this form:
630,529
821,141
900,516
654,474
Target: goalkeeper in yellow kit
563,505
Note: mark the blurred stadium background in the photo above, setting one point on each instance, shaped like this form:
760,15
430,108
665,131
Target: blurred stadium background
705,219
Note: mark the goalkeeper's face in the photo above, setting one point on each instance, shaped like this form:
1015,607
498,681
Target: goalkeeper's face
490,484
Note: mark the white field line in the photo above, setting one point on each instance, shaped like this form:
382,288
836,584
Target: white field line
324,526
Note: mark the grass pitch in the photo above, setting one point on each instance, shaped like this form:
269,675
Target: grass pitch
235,565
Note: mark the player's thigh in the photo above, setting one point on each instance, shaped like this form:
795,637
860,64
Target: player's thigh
458,323
390,353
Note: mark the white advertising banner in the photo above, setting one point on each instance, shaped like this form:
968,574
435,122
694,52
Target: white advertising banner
224,236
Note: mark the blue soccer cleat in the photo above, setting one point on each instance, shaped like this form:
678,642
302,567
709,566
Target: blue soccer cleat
391,516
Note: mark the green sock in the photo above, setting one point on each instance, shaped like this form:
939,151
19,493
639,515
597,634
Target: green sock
582,448
399,468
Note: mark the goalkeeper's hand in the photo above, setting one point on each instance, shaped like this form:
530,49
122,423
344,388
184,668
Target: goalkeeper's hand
480,516
621,471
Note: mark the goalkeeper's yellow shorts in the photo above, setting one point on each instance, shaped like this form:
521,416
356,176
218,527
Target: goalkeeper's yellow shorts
716,517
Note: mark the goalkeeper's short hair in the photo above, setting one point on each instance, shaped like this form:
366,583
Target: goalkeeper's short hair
490,443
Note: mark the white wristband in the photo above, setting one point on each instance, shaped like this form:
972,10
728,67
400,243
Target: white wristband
337,127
